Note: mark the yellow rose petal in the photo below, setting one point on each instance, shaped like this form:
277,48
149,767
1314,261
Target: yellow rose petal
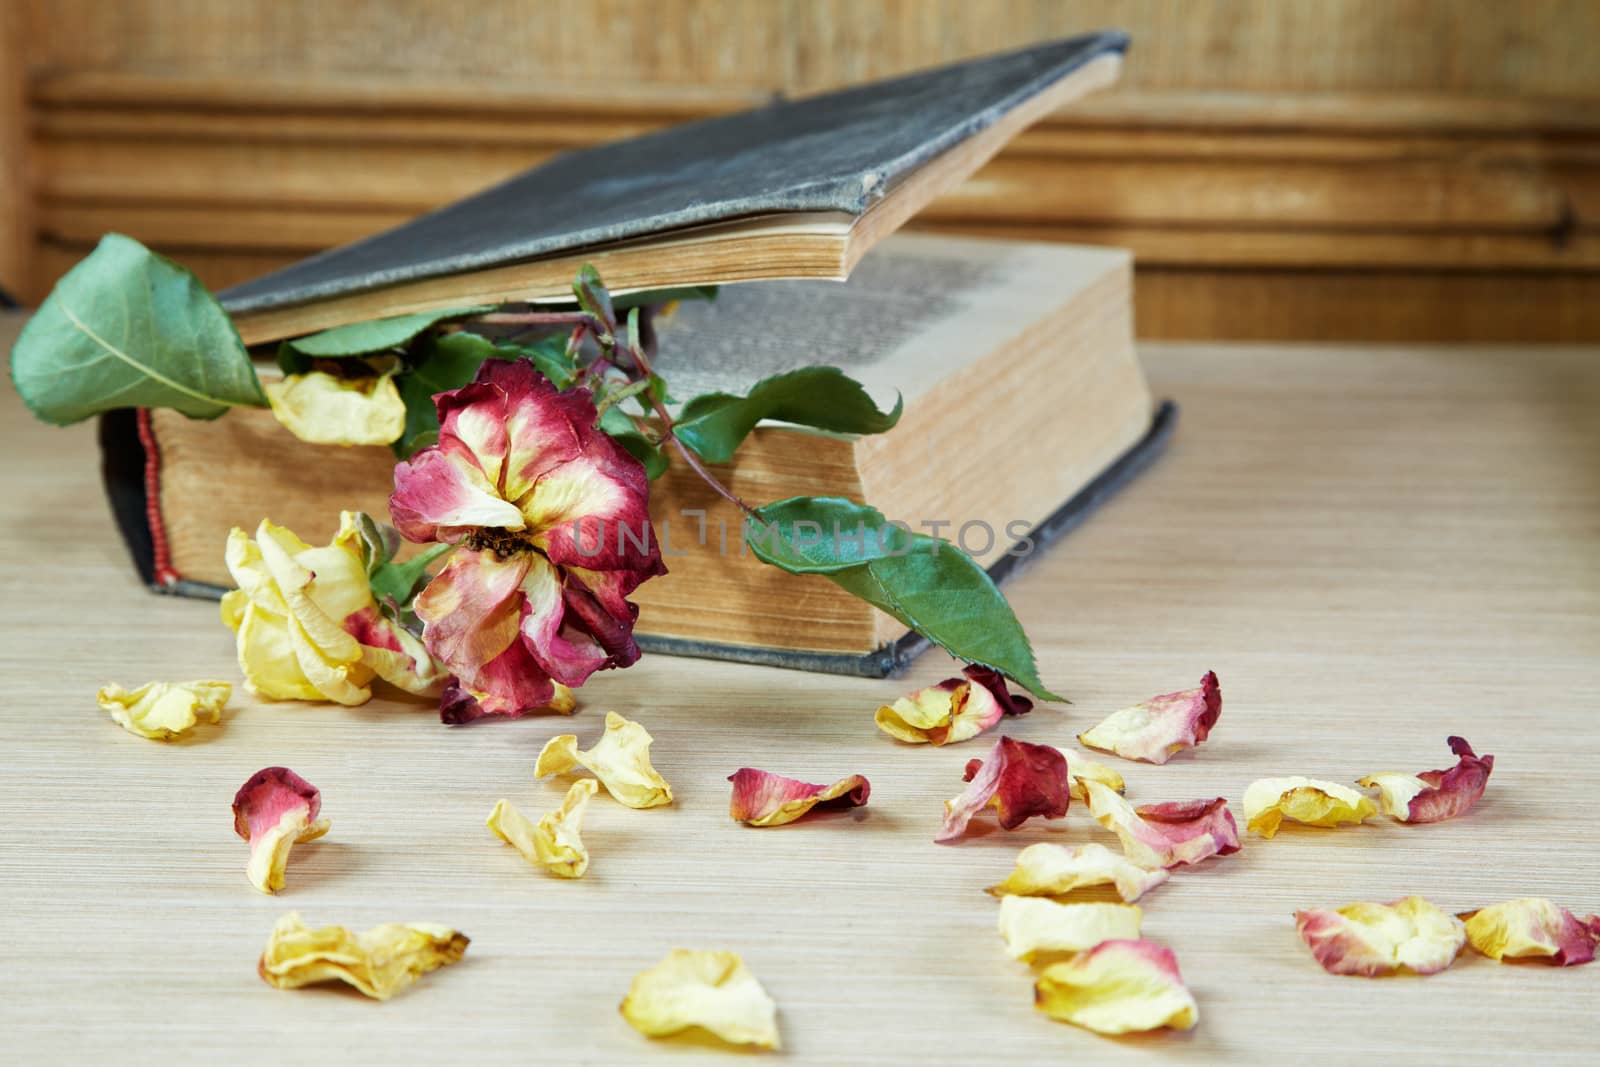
553,843
1117,987
1033,925
1081,769
1269,801
1373,939
325,410
1055,870
380,962
620,759
163,711
714,991
1533,928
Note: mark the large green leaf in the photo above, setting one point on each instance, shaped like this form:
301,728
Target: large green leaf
128,328
714,424
377,335
927,583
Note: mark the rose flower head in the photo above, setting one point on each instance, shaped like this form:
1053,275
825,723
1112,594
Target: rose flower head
552,530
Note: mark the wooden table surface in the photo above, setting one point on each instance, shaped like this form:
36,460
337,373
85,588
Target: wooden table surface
1374,548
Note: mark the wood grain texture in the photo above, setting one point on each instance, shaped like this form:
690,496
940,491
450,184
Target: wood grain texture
1415,137
1372,547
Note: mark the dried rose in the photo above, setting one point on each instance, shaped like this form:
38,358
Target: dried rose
620,759
1018,780
1032,926
1533,928
163,711
761,798
554,842
307,625
1269,801
956,709
714,991
1055,870
553,532
325,410
1374,939
1162,726
380,962
1433,796
1117,987
1166,835
275,810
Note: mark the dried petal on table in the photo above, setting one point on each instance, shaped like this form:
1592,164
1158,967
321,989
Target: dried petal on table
956,709
163,711
1166,835
1118,987
620,759
714,991
380,962
1018,780
554,842
1433,796
1369,940
761,798
1269,801
275,810
1161,727
1045,870
1533,928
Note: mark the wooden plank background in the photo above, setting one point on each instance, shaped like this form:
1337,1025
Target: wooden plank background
1373,547
1425,169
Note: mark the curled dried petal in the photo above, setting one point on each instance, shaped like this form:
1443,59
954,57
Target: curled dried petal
1364,939
554,842
1017,779
326,410
956,709
380,962
461,705
1269,801
1034,925
620,759
1533,928
1433,796
761,798
1117,987
1081,767
1054,870
1165,835
275,810
714,991
163,711
1162,726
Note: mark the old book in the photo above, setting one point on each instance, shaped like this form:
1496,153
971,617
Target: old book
1024,404
797,189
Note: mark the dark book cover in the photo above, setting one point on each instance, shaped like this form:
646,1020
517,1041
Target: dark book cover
836,152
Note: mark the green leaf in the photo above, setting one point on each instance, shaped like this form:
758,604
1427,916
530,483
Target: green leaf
292,362
359,338
128,328
621,429
927,583
714,424
400,580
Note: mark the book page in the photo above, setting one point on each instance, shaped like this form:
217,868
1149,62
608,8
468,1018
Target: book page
915,309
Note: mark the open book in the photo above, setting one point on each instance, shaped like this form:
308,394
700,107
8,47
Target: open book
797,189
